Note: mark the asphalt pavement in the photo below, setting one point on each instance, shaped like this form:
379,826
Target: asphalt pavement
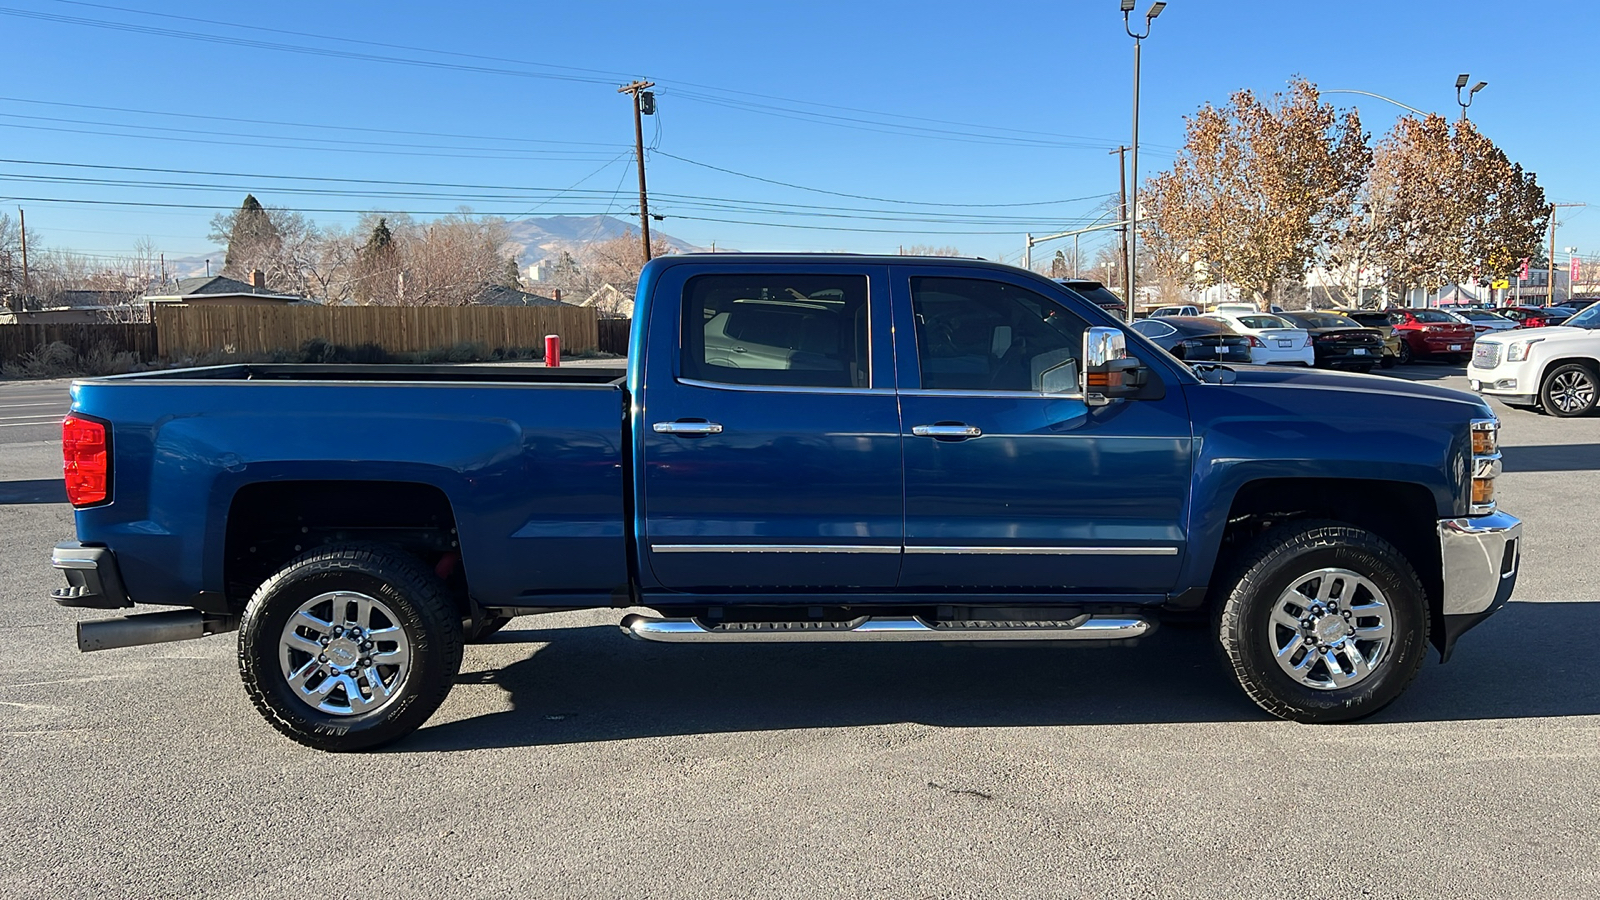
572,762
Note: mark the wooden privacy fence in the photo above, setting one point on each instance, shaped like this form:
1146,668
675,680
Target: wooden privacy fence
140,340
614,335
193,330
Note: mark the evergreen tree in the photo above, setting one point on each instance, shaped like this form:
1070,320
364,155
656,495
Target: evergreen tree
252,238
376,265
513,274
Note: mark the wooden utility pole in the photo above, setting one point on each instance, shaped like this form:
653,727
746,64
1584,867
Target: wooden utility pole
1550,289
638,90
1122,176
21,220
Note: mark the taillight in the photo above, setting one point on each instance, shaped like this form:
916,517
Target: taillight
85,460
1308,341
1254,341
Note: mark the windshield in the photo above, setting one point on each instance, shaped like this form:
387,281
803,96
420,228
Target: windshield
1320,320
1263,321
1432,315
1589,318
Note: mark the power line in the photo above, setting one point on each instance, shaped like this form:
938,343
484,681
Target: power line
504,189
319,126
570,73
532,152
799,187
259,145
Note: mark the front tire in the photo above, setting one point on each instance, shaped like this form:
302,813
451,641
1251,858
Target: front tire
350,647
1569,391
1325,622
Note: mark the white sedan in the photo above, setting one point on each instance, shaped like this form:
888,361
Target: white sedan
1272,340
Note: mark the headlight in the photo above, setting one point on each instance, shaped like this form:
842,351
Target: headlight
1485,465
1518,351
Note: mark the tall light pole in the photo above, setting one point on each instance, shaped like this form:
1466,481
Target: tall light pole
1133,212
1461,83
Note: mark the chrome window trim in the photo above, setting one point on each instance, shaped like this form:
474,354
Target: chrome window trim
867,305
779,388
774,548
1048,551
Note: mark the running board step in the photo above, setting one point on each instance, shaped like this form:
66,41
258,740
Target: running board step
884,628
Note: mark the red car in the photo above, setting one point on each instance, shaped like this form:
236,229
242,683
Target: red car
1429,333
1533,316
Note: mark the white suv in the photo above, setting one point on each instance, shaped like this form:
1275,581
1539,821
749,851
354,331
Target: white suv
1556,368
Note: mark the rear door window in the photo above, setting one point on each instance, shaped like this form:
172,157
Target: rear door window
780,330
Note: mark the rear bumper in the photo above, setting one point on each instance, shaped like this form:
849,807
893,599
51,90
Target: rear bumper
1431,344
1481,556
93,580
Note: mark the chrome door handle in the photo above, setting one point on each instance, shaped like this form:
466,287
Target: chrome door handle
687,428
958,431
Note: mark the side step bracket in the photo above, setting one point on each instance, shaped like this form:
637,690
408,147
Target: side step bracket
884,628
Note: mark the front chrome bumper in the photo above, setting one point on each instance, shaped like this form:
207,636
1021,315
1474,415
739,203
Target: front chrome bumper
1480,558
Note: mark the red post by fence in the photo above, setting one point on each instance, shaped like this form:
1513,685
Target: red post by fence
552,350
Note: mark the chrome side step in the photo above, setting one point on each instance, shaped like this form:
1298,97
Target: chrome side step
884,628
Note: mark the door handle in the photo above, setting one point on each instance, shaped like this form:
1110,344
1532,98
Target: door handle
687,428
947,431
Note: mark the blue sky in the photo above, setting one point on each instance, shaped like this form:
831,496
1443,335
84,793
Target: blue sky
971,120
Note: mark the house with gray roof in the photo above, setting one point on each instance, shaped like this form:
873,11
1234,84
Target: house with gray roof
218,290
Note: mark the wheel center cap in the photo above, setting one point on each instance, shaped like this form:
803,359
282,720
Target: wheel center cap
1329,629
343,653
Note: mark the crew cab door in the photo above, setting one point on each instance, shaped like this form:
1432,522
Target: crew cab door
769,432
1013,483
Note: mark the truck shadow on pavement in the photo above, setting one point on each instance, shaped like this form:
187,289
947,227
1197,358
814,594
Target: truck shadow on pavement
39,490
1551,458
593,684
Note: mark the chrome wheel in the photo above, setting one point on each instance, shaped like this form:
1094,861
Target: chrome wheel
1572,391
345,653
1330,629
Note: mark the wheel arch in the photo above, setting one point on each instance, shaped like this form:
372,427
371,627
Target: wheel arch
1403,513
268,523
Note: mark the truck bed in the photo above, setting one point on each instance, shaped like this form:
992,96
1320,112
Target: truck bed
526,462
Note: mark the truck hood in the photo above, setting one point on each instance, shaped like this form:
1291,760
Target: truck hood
1548,332
1323,379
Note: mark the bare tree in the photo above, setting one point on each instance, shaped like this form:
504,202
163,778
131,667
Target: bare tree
930,250
449,261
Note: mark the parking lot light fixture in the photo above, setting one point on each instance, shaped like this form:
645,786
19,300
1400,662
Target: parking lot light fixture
1461,83
1129,289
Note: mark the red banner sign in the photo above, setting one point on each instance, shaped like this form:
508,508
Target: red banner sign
1574,270
1524,275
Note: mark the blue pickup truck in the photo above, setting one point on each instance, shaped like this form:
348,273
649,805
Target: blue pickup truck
802,448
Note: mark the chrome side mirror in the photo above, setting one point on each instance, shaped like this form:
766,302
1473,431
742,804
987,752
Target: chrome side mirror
1108,371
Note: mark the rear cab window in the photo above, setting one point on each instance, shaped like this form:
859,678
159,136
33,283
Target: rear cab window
779,330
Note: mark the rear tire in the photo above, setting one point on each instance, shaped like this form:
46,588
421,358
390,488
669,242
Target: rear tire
1407,357
1325,622
350,647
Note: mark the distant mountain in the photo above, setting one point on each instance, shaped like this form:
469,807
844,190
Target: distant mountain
535,239
540,238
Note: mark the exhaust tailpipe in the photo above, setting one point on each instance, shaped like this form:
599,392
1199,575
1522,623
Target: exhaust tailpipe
151,628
